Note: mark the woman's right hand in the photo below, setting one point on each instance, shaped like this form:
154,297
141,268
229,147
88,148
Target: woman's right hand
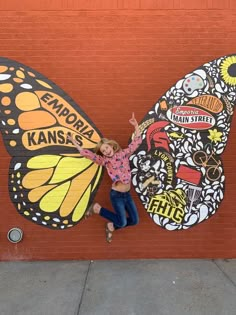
70,137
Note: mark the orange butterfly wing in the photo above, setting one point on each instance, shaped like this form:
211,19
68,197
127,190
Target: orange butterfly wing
49,182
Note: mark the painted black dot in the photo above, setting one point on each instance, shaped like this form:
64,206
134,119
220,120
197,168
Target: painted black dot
232,70
189,90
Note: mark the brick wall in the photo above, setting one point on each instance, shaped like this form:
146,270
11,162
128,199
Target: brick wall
114,57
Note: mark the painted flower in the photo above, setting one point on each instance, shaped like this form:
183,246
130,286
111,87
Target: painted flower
215,135
228,70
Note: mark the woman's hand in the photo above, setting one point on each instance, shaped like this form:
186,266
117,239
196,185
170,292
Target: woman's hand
70,137
133,122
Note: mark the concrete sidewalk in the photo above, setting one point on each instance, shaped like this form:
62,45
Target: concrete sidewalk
131,287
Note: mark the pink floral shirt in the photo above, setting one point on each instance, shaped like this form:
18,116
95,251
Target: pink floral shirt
117,166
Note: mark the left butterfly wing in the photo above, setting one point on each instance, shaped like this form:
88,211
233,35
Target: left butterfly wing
49,182
177,170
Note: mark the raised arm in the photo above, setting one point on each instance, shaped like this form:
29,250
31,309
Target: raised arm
76,143
87,153
135,143
134,123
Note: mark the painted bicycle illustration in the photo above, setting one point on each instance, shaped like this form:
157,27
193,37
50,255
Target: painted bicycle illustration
210,163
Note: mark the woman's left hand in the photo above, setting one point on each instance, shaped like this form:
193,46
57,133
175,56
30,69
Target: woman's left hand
133,121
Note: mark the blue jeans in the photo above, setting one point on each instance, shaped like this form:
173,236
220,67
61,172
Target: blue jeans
122,203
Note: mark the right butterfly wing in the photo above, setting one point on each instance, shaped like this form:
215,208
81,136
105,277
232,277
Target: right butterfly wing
49,182
177,170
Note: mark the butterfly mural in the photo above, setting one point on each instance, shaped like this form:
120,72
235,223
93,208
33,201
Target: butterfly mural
50,184
177,171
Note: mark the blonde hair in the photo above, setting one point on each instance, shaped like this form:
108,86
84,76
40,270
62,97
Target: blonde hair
116,147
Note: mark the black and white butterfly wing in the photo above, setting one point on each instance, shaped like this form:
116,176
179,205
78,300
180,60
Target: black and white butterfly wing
177,171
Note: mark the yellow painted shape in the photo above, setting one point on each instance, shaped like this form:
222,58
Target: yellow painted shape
27,101
97,178
6,87
43,161
44,84
12,143
37,193
77,189
53,199
81,206
37,178
68,167
20,74
11,122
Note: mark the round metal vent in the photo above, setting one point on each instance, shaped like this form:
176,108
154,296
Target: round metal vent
15,235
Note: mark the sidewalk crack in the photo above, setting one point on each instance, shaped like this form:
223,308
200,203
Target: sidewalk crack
85,283
225,274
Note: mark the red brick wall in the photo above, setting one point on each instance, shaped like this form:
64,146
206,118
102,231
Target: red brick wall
114,57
